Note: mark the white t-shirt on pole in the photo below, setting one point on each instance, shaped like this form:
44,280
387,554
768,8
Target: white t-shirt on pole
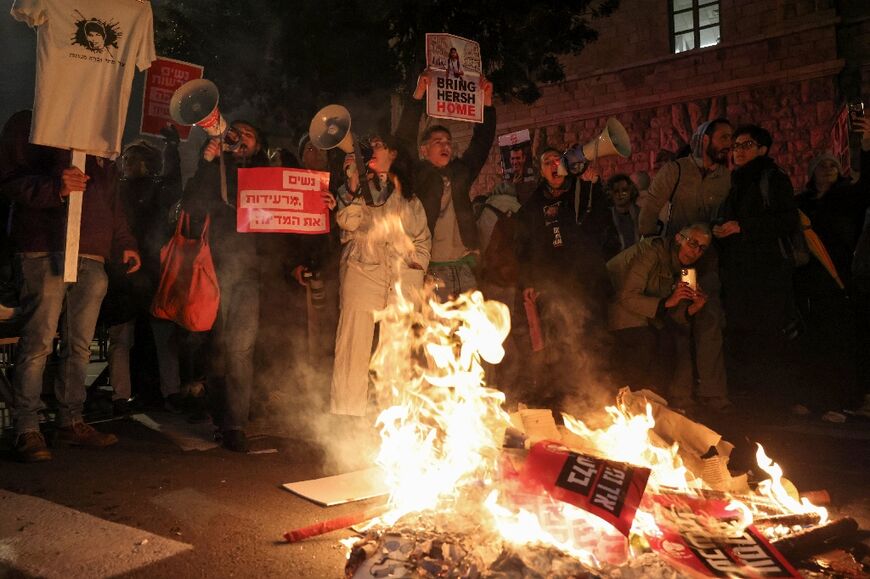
85,54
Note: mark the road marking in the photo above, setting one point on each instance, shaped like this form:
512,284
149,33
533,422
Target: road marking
44,539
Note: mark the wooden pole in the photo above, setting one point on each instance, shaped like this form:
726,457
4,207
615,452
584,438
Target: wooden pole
73,225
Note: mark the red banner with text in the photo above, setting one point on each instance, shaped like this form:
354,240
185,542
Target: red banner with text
161,80
280,200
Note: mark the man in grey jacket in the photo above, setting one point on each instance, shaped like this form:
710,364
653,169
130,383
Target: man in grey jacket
696,186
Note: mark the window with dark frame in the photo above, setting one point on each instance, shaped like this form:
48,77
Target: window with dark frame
694,24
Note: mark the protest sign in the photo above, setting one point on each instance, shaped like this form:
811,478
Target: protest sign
280,200
706,538
454,89
516,156
608,489
164,76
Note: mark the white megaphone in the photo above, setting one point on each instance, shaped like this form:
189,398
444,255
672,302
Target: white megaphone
196,103
330,128
613,140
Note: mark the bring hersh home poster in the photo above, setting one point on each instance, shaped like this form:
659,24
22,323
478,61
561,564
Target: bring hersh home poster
455,68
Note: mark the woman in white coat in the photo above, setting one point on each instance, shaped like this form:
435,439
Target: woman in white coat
385,241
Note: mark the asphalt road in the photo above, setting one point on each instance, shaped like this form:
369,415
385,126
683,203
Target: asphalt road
228,511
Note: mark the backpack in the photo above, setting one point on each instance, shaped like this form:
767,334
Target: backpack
793,247
500,266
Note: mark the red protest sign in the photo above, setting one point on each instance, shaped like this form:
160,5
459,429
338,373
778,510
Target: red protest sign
608,489
161,80
280,200
702,538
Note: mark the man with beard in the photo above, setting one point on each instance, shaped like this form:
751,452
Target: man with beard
236,261
562,271
695,186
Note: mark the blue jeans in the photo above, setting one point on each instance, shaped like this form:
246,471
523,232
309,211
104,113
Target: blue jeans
44,297
456,279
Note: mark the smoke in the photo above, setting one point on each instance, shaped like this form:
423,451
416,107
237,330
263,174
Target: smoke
571,374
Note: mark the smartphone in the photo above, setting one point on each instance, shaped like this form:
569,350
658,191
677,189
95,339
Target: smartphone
856,111
689,277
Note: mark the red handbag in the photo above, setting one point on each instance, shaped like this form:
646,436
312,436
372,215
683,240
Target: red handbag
188,293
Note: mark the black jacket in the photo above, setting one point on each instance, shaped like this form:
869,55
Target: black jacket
552,250
462,172
838,216
762,224
235,254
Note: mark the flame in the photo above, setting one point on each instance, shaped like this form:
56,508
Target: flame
442,432
774,489
628,438
442,437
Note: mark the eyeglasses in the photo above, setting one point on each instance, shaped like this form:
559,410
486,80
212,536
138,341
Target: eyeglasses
377,145
693,243
744,145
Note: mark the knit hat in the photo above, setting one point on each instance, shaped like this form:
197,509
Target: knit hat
698,139
824,156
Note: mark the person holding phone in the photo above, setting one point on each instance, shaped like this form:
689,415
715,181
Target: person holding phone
653,309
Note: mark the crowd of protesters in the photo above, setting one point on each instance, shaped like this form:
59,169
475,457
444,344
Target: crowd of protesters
696,284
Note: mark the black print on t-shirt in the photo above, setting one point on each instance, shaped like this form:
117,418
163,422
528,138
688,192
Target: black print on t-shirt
96,35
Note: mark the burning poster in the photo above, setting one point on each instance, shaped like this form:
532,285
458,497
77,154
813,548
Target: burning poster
611,490
516,157
279,200
454,91
161,80
709,538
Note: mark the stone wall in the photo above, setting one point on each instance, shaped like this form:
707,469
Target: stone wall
781,64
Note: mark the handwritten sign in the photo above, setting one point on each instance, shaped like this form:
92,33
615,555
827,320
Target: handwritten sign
164,76
454,91
280,200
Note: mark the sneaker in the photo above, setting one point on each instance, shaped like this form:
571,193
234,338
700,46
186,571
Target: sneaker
174,403
81,434
31,447
234,440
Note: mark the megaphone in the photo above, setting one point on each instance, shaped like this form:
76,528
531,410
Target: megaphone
196,103
613,140
330,128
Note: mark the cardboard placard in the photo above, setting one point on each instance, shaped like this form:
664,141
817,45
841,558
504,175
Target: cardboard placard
281,200
608,489
701,538
454,89
516,157
161,80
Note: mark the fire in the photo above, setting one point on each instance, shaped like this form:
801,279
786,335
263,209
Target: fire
443,429
441,439
776,491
